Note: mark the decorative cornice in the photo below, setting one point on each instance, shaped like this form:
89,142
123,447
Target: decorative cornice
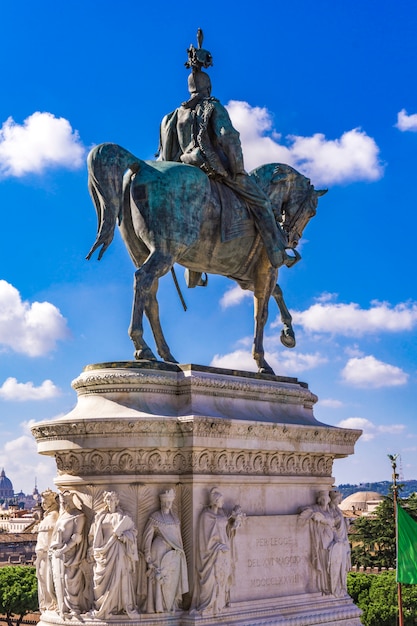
179,462
105,381
197,427
83,383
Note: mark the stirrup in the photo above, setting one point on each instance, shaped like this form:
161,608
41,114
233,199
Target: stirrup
291,260
195,279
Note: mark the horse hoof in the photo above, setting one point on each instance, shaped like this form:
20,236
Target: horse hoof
266,370
288,340
145,355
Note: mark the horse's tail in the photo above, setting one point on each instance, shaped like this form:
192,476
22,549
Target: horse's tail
107,164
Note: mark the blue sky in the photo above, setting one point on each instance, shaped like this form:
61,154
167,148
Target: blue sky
327,87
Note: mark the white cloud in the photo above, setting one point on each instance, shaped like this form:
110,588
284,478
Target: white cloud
406,122
353,351
253,123
326,297
392,429
352,157
294,362
359,423
350,319
370,430
11,389
238,360
42,141
33,467
330,403
234,296
29,328
245,341
368,372
283,363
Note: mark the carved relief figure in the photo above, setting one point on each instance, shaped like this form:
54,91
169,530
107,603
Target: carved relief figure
68,552
340,549
164,553
114,551
46,592
215,555
322,538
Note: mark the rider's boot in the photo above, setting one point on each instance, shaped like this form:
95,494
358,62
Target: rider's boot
273,238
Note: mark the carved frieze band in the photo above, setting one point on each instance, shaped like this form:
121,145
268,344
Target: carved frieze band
196,427
101,383
225,462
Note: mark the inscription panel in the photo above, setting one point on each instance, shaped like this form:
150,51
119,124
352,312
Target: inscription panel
271,558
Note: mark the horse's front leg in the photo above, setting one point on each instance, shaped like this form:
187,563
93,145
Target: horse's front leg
152,313
155,266
265,280
287,333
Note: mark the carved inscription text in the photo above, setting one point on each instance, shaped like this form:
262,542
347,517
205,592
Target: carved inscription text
272,558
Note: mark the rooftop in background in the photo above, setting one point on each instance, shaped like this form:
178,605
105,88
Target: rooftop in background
361,503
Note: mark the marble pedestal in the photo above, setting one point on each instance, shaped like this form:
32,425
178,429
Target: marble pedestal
140,429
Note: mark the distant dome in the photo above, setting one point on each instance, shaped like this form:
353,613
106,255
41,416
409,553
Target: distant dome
361,501
6,487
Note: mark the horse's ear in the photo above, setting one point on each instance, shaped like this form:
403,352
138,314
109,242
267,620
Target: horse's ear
321,192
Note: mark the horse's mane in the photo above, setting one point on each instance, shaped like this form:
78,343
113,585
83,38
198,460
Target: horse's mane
282,183
273,173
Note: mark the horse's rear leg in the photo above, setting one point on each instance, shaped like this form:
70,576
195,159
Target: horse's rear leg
287,333
152,313
265,281
156,265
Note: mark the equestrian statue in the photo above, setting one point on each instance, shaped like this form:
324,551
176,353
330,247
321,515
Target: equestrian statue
198,207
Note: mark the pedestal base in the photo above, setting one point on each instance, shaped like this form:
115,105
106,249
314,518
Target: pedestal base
201,435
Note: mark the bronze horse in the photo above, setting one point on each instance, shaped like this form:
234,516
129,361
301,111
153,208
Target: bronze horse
171,213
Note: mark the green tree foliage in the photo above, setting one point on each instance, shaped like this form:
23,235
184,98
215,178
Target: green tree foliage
373,538
410,505
18,593
376,595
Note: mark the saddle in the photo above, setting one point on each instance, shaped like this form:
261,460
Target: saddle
235,222
235,217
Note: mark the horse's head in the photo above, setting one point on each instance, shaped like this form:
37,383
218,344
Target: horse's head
293,197
298,209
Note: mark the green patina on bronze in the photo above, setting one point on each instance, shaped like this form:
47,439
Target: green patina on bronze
197,206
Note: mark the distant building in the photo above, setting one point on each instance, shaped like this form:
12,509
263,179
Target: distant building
19,518
361,503
19,512
21,524
8,497
28,501
6,487
17,548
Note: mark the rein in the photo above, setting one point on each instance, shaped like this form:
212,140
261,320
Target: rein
294,218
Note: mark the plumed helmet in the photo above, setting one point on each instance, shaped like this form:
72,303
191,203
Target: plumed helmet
198,57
